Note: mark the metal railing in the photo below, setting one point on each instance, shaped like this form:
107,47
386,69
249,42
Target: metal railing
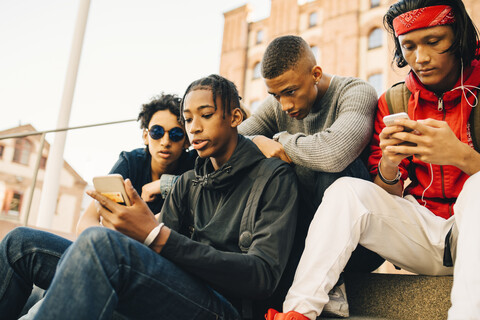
40,152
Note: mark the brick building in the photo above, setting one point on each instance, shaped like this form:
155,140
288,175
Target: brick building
346,36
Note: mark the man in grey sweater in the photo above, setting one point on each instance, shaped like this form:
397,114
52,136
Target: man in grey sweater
319,123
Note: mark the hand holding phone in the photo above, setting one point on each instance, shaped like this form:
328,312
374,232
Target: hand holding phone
389,120
112,186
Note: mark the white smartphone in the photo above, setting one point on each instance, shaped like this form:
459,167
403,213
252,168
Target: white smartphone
112,187
389,120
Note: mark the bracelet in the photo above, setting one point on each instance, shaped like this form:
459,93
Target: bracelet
386,181
153,234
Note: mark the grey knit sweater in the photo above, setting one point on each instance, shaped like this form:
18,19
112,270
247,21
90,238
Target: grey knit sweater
328,139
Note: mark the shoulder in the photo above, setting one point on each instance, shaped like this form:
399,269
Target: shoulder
353,84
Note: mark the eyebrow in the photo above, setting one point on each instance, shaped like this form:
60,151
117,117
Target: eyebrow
206,106
286,89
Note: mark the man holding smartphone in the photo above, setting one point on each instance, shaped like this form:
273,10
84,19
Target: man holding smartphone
198,262
432,224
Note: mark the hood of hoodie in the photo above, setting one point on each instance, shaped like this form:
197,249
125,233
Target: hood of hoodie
424,103
242,159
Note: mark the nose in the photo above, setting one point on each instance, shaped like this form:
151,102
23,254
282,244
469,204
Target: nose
194,126
165,140
287,105
422,55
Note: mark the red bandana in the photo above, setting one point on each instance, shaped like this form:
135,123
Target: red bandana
423,18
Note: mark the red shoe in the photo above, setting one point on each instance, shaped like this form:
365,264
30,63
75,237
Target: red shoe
273,314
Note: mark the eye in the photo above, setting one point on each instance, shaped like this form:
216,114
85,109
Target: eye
187,120
276,96
207,115
433,42
408,47
290,93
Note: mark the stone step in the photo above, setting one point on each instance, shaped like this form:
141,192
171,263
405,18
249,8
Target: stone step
398,296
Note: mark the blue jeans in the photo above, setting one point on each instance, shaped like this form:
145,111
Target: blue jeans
104,271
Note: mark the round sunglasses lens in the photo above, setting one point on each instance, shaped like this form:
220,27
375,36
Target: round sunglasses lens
176,134
156,132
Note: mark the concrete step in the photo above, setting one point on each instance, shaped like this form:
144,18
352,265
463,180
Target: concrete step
398,296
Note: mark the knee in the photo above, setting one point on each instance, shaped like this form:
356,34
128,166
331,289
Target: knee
19,239
94,235
346,186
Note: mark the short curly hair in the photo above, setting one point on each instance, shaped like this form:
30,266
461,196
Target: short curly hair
283,54
163,101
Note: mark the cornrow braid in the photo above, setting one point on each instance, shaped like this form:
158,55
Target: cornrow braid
219,86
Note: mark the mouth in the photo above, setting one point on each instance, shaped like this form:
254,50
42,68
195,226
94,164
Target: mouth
426,72
165,154
199,144
293,114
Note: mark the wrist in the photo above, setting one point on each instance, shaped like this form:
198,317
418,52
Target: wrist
388,178
161,239
153,235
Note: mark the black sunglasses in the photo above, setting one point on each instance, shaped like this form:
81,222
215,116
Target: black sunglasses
157,132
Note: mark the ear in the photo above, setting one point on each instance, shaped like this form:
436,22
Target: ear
316,74
237,117
145,137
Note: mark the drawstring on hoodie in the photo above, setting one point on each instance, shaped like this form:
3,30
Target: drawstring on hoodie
465,89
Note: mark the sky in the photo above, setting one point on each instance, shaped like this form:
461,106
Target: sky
132,51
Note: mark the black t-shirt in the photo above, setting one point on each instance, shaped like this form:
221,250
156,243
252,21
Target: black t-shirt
136,165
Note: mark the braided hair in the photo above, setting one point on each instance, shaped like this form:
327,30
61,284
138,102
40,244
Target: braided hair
220,87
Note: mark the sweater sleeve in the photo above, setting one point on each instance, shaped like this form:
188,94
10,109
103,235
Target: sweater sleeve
263,121
256,273
335,147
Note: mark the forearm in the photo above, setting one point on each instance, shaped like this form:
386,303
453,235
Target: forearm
89,218
468,160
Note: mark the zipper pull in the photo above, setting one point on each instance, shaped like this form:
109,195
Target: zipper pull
440,104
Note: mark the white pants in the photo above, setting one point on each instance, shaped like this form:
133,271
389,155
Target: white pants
355,211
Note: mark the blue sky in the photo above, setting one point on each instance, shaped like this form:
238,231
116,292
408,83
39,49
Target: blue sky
132,51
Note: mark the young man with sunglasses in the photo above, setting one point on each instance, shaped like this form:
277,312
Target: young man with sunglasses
154,169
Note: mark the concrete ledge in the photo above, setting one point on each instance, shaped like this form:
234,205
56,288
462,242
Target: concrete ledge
399,297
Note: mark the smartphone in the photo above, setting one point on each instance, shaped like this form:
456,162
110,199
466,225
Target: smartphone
389,120
112,187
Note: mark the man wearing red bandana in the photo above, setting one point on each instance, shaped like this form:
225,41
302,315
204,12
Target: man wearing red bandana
432,225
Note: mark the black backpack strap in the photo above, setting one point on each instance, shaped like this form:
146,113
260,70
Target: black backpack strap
265,171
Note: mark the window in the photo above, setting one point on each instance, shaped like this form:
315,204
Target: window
315,51
43,162
376,80
2,148
374,3
257,71
312,20
13,203
259,38
23,148
375,38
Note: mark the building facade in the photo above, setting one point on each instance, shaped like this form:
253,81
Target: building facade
18,157
346,36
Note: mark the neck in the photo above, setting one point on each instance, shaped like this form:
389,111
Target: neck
159,168
323,85
224,155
